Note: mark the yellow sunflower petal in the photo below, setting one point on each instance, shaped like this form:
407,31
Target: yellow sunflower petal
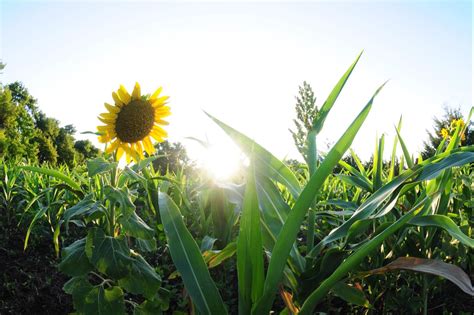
104,139
162,114
164,109
139,149
148,145
106,120
161,122
109,115
120,152
157,93
112,146
136,92
123,94
105,128
117,100
112,108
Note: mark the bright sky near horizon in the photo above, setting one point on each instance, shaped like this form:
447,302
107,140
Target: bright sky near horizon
243,63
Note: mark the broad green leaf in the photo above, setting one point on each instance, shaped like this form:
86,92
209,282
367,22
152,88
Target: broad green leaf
86,208
435,267
78,287
99,165
102,301
188,260
249,249
136,227
142,278
110,255
53,173
146,245
350,294
265,163
292,225
123,198
149,307
74,261
445,223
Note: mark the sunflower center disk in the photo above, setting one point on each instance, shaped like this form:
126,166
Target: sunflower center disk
134,121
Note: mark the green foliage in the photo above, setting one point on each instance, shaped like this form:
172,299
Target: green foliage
445,122
27,133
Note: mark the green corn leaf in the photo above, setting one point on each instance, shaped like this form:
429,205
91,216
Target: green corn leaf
391,173
324,111
427,170
53,173
249,249
350,294
292,225
445,223
188,260
378,164
274,213
406,153
265,163
355,258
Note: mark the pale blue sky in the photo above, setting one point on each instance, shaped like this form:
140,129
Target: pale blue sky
243,62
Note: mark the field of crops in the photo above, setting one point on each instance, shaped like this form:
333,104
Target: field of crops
332,234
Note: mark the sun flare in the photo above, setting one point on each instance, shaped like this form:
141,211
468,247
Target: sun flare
221,163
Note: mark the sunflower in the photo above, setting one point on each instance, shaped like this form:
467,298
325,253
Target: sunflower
132,122
444,133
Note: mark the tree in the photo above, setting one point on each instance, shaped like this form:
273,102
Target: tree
85,150
174,157
306,113
445,127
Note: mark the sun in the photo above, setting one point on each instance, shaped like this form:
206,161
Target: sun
221,163
132,123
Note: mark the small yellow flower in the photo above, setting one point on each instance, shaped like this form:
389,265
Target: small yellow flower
132,122
444,133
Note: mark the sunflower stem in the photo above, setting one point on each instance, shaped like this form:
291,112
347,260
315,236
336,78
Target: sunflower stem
113,182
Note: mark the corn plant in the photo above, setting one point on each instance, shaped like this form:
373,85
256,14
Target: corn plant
269,227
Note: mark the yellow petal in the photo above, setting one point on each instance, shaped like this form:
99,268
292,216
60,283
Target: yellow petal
139,149
164,109
120,152
112,108
104,139
157,93
136,92
106,120
123,94
148,146
117,100
105,128
161,122
109,115
162,114
112,146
